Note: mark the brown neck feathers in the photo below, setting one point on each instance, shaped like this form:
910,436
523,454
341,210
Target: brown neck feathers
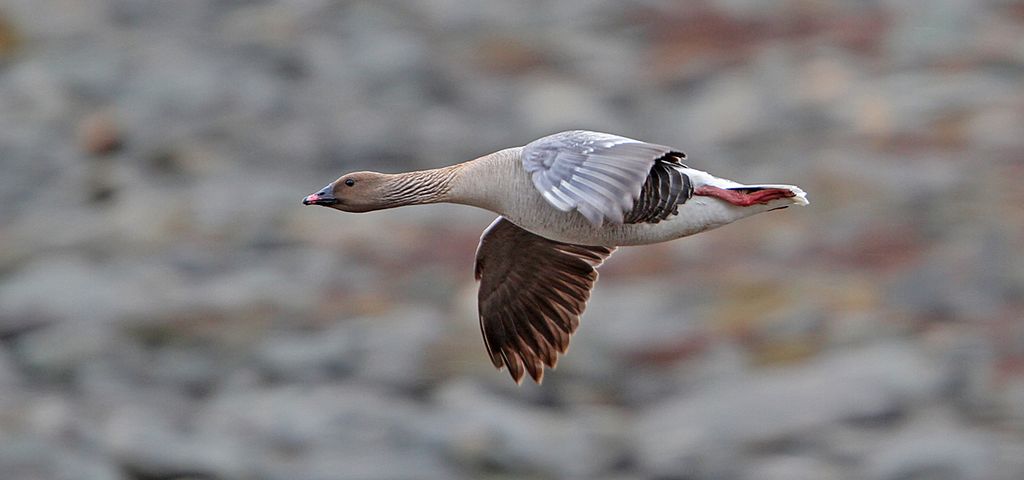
425,186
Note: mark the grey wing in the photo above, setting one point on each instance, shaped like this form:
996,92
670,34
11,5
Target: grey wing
598,174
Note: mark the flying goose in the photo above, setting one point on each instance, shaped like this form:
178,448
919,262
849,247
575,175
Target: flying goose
565,202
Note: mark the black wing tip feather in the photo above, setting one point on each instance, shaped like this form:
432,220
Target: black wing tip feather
664,190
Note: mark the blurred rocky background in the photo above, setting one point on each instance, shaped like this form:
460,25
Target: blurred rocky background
169,310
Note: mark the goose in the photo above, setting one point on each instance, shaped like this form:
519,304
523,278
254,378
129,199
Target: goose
564,203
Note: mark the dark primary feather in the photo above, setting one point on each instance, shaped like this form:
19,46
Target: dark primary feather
532,293
665,189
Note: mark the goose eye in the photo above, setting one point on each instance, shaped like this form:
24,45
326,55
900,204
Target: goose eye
350,182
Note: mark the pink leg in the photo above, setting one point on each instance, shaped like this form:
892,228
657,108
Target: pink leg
741,199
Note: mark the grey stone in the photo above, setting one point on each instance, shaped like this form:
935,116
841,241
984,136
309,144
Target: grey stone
29,457
608,63
996,128
1012,400
65,288
624,317
147,442
477,427
397,359
452,15
397,462
726,110
750,9
933,451
9,376
392,348
303,417
317,355
792,467
850,444
193,369
942,29
934,95
552,104
340,431
61,349
691,431
972,366
60,288
1010,453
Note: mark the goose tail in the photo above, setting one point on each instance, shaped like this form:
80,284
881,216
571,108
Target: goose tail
799,196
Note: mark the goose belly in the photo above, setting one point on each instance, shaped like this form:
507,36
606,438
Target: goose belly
696,215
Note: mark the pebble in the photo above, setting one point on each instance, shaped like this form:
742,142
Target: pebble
29,457
98,134
478,428
872,384
934,450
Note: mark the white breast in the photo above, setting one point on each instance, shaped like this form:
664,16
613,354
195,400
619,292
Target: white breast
696,215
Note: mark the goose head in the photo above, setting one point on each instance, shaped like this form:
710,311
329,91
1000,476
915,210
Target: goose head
356,192
369,191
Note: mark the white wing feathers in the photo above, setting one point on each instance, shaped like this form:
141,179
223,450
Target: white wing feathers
598,174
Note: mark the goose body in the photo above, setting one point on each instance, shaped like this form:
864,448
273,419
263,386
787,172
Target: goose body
564,202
